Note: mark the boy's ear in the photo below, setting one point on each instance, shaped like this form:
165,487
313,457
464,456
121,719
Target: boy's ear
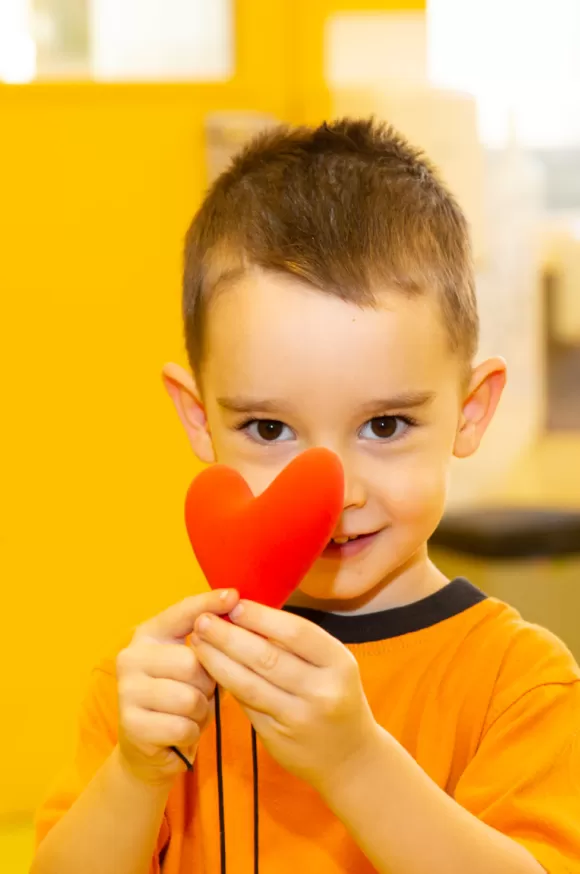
485,389
183,391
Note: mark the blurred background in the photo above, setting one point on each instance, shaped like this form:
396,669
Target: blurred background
114,115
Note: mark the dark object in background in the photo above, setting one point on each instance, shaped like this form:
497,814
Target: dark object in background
563,388
529,558
511,533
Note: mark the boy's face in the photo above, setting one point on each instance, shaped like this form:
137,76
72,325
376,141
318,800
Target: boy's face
288,368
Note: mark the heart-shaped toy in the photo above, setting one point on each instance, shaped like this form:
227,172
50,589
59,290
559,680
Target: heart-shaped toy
264,546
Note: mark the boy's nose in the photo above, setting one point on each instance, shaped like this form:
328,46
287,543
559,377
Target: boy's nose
355,485
354,491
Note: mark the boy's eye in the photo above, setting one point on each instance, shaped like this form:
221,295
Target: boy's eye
385,427
268,431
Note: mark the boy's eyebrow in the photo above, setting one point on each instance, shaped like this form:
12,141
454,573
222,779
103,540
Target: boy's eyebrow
241,404
404,401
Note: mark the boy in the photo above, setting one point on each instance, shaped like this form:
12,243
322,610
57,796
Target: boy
389,720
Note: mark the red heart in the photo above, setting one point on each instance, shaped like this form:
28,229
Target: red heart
264,546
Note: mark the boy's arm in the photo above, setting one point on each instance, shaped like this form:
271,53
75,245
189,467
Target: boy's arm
516,806
406,824
112,827
105,816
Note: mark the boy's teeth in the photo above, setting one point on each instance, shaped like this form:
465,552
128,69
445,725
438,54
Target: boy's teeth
342,540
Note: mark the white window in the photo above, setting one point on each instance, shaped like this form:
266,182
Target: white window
520,58
123,40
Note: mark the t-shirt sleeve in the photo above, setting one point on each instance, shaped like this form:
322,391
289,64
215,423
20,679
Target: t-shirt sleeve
96,739
524,780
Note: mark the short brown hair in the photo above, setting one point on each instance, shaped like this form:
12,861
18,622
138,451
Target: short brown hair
348,207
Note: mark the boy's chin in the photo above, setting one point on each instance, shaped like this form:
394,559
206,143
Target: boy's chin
334,593
351,590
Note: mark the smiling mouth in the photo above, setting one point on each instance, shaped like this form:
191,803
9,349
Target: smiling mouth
344,546
348,538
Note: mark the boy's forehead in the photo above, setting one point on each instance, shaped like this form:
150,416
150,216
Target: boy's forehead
276,333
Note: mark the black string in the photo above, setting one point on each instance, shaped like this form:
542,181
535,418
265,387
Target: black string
220,778
185,761
256,803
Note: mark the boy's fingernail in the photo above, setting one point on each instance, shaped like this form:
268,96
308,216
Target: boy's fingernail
236,612
203,623
224,594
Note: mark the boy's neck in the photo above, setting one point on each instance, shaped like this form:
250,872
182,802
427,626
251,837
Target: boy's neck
415,581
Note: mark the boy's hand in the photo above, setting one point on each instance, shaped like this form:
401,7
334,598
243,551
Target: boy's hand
300,687
165,695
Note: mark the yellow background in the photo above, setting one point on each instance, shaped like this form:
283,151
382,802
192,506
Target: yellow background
97,186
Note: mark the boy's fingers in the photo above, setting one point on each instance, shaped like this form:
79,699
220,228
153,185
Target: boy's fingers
177,621
249,688
167,696
284,669
294,633
170,661
162,729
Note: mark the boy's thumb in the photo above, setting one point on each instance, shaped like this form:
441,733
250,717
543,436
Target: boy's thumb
178,621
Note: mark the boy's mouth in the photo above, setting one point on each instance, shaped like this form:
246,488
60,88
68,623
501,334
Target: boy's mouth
345,546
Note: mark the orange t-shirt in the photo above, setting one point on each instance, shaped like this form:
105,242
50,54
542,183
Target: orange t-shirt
487,704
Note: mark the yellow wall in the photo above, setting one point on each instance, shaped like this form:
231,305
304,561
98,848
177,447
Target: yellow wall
97,184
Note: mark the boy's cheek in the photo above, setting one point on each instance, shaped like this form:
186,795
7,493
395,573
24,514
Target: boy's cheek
417,490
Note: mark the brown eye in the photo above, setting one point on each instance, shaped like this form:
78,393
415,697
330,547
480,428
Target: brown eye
384,427
269,429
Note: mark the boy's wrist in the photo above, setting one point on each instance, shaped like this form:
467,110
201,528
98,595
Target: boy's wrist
355,768
151,779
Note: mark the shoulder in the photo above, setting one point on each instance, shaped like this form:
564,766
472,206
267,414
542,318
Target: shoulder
526,657
101,686
531,650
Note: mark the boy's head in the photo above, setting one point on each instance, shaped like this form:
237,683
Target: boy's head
329,300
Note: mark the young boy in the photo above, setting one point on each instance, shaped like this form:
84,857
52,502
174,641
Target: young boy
388,720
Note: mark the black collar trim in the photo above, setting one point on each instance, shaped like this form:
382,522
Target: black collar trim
457,597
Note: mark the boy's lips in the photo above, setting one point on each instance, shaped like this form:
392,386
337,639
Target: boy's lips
351,547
